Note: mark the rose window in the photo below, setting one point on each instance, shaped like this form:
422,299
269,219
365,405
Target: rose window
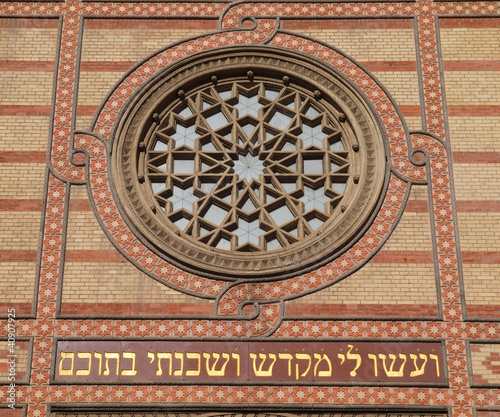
255,168
247,165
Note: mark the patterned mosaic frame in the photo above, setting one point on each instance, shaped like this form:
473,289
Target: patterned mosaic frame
38,398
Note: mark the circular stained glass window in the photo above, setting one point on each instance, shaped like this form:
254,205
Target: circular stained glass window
248,164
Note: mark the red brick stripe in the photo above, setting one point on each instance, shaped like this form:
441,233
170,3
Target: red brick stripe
480,111
458,157
471,65
21,309
407,111
365,310
417,257
208,23
36,205
86,110
468,22
123,66
20,205
26,66
80,205
116,66
390,65
16,110
347,24
477,157
15,23
415,206
481,257
17,255
478,206
413,257
483,311
22,157
137,309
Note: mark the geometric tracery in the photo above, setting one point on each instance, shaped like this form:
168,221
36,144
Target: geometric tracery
247,166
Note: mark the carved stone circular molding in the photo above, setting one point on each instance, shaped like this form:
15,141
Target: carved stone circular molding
248,163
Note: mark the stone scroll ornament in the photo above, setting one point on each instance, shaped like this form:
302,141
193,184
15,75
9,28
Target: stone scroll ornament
249,166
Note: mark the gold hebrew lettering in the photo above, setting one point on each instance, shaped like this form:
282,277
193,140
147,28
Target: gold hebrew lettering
194,372
99,356
263,357
66,355
133,371
302,356
85,355
375,365
211,370
179,355
108,356
391,372
321,359
289,358
356,357
341,357
165,355
418,371
436,358
237,357
161,355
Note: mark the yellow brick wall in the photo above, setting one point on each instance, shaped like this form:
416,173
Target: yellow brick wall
21,180
475,133
22,133
482,284
470,43
369,44
26,87
484,358
28,44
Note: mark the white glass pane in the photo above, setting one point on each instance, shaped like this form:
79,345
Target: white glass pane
271,94
216,121
224,95
157,187
181,223
338,187
183,166
160,146
312,112
224,244
315,223
215,214
337,146
282,215
313,166
274,245
182,199
184,136
280,120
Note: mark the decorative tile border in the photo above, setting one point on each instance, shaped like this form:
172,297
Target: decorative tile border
459,395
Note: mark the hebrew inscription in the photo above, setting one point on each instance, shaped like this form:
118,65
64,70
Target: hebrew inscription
252,362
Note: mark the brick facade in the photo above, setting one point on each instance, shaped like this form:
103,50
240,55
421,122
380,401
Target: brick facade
427,269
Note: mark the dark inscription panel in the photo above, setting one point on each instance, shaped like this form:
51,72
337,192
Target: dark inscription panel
249,362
